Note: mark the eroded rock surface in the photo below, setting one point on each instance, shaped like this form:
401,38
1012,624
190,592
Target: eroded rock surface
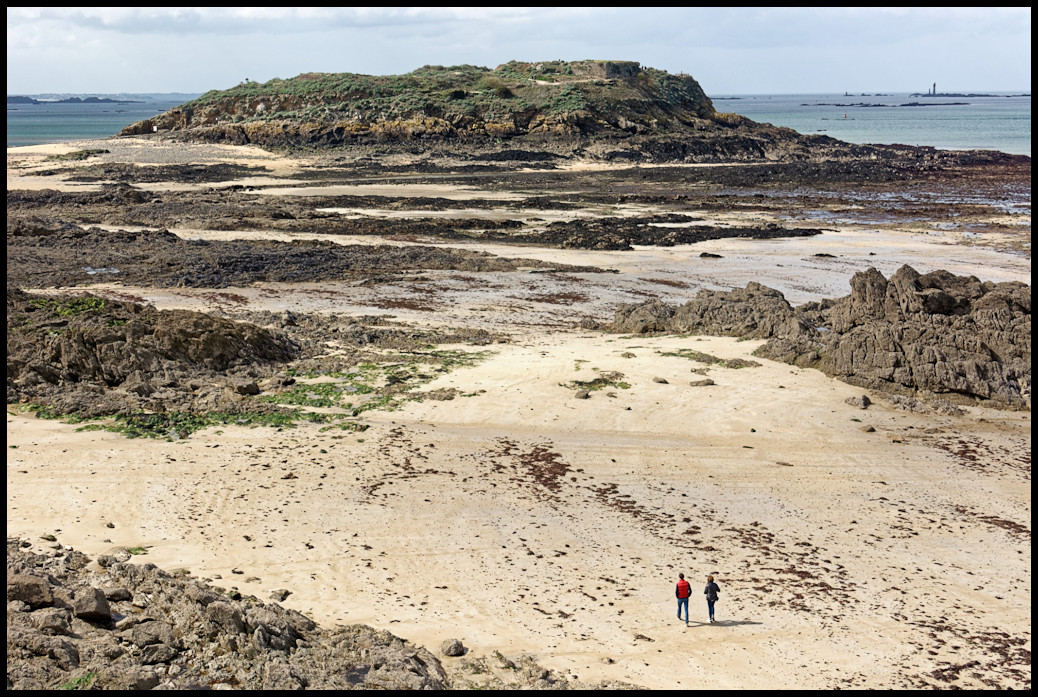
932,335
90,356
117,625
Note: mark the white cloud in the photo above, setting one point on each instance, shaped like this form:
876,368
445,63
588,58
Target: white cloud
728,49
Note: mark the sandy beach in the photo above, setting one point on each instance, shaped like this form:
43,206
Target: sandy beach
855,548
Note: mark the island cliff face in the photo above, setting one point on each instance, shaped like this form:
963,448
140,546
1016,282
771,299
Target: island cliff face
617,109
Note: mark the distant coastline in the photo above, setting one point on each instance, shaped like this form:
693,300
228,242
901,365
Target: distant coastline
885,117
45,98
16,99
957,94
887,106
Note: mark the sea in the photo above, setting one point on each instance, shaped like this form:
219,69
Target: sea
975,121
52,121
984,120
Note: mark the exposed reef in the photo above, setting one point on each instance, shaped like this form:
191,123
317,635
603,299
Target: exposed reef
45,253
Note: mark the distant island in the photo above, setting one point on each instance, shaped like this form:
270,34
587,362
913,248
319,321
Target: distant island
888,106
957,94
15,99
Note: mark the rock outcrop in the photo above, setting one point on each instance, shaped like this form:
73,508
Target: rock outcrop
95,356
77,624
932,335
116,625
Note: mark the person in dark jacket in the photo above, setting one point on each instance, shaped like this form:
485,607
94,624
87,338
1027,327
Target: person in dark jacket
683,591
711,592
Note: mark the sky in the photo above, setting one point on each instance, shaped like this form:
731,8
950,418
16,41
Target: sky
728,50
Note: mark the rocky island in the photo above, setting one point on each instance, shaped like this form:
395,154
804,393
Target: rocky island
478,360
609,110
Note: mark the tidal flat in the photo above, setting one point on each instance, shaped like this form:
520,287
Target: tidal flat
475,496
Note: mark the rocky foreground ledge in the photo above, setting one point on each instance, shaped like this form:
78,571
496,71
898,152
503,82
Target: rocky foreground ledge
75,623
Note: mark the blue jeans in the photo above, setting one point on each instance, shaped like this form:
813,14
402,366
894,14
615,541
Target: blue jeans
710,605
683,603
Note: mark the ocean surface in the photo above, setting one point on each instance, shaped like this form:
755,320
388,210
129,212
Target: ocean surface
1000,122
948,122
33,124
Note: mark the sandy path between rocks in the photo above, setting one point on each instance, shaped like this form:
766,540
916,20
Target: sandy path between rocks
521,519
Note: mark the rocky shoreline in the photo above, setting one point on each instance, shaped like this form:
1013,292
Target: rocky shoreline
935,337
109,624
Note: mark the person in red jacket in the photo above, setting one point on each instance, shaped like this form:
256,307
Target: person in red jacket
683,591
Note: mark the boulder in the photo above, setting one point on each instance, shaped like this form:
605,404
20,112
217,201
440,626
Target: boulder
32,590
158,653
226,616
154,632
642,318
452,647
861,402
52,621
91,604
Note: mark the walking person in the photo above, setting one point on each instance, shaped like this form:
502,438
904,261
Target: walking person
711,591
683,591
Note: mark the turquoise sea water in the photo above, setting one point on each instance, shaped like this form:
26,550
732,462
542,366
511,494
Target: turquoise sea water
961,123
33,124
952,123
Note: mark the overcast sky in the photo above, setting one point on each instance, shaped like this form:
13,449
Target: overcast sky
728,50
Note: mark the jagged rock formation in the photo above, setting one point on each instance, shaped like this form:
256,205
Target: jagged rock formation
77,624
94,356
608,109
932,335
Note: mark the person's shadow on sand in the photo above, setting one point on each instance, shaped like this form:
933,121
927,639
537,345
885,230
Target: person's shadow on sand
722,623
